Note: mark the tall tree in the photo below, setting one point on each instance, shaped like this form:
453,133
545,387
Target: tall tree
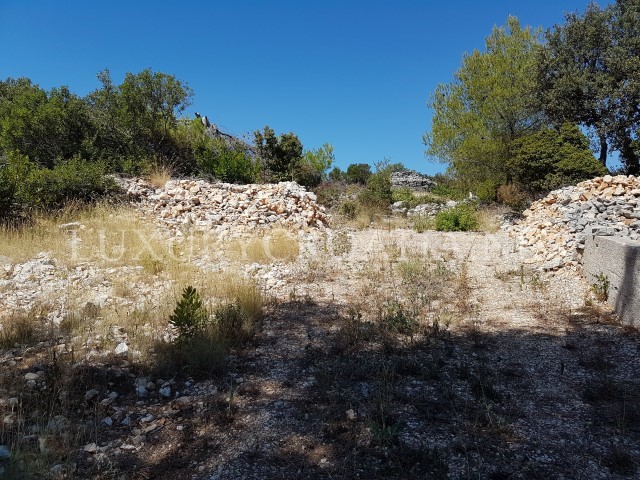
589,74
489,104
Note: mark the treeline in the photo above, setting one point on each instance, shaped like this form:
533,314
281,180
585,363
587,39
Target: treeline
56,146
514,118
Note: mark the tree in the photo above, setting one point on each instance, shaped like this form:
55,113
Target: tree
358,173
589,74
137,117
312,169
45,126
280,155
489,104
554,157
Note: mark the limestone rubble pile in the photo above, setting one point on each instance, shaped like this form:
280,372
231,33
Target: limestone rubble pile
224,209
556,227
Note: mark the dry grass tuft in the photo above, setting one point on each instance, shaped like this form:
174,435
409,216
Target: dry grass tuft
160,175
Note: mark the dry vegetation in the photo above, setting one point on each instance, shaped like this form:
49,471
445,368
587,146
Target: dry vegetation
387,354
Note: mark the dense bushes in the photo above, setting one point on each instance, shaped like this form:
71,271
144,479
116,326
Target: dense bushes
460,218
27,185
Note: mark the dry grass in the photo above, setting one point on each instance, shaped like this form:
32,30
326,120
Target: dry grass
274,246
160,175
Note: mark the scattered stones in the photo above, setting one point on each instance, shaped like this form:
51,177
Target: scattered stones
554,229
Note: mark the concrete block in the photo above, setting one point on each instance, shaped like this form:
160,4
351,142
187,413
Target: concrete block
619,260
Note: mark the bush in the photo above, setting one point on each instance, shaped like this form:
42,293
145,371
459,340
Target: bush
358,173
513,196
190,316
349,208
25,185
460,218
228,163
233,325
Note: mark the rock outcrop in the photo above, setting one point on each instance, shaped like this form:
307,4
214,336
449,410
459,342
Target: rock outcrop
555,228
412,180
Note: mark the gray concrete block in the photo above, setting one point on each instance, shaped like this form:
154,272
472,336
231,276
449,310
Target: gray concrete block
619,260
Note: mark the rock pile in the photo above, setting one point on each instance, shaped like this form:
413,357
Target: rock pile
555,228
223,209
413,180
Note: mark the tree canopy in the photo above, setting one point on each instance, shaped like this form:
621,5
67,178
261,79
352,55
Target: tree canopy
589,74
489,104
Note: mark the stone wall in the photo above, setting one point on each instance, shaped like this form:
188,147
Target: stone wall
412,180
618,260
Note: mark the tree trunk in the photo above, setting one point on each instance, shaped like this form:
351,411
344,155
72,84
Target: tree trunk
629,157
603,150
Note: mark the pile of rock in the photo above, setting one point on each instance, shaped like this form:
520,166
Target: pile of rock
555,228
423,209
412,180
222,209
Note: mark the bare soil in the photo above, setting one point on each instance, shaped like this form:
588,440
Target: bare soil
400,355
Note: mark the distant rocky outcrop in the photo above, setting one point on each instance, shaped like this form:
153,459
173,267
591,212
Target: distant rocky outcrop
412,180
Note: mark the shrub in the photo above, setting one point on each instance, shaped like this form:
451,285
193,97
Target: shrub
190,316
513,196
233,325
403,194
460,218
25,185
552,158
350,209
74,179
229,163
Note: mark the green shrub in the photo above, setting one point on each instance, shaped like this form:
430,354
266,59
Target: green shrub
552,158
25,185
233,325
349,208
190,316
486,191
358,173
74,179
403,194
460,218
225,162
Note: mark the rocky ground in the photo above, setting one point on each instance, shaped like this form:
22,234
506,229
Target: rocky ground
382,354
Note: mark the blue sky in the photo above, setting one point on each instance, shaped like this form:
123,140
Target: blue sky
351,73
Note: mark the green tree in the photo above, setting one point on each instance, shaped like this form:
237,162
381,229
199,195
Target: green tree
336,174
358,173
43,125
313,167
280,155
551,158
589,74
490,103
137,118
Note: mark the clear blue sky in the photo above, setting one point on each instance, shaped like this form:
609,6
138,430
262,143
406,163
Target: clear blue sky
351,73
